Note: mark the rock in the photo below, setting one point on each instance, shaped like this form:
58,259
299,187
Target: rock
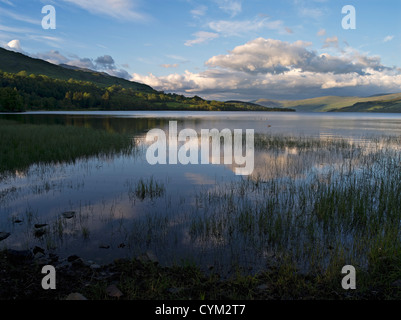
38,250
397,283
39,226
104,246
148,257
17,256
113,291
69,214
72,258
38,255
121,245
262,287
17,221
95,266
53,257
78,263
4,235
75,296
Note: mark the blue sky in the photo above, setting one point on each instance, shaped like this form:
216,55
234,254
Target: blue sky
219,49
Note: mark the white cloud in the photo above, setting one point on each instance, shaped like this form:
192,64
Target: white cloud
232,7
201,37
199,11
280,70
14,45
275,56
118,9
388,38
235,28
331,42
321,32
168,66
19,17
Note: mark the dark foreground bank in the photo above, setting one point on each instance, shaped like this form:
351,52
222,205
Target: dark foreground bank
143,278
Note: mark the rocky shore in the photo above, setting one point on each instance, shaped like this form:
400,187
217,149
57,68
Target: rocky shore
142,278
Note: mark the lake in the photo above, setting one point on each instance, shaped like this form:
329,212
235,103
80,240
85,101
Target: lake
205,214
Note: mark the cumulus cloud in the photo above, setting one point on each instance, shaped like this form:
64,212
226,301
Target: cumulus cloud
105,62
14,45
275,56
280,70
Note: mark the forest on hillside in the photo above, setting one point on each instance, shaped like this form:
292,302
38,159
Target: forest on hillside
29,92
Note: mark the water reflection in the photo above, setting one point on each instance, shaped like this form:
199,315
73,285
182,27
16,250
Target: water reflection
202,213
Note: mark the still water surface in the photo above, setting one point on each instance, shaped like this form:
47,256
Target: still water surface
112,221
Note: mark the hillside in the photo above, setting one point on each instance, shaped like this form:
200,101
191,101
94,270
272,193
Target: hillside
376,103
14,62
389,105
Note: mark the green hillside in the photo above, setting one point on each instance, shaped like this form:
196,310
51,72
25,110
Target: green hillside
392,105
14,62
335,103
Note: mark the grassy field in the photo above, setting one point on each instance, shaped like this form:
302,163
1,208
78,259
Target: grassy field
22,145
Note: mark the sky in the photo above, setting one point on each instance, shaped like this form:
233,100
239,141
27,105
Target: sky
220,49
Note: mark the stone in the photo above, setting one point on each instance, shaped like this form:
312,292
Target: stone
39,226
76,296
69,214
72,258
397,283
38,250
148,257
4,235
95,266
113,291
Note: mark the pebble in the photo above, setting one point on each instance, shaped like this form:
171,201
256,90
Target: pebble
113,291
76,296
69,214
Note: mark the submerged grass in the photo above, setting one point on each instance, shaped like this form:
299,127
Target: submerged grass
324,205
22,145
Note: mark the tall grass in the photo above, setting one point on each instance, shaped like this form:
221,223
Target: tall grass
328,203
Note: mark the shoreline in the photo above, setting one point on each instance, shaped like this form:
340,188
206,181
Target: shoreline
142,278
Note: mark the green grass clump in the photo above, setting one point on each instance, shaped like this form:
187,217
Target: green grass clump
22,145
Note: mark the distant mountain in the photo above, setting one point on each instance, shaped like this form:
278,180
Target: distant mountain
376,103
14,62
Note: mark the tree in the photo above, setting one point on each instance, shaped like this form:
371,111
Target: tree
10,100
